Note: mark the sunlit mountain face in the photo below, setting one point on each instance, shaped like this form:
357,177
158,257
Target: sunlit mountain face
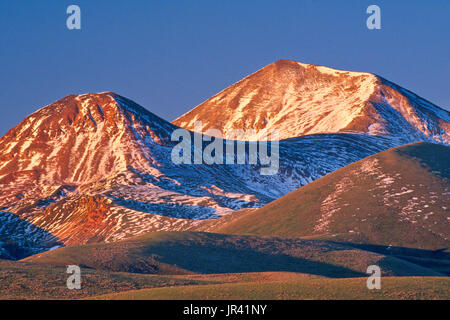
298,99
98,167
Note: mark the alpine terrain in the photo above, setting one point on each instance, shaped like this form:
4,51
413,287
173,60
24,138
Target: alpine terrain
298,99
359,176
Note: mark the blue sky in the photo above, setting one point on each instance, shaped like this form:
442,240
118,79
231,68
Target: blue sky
170,56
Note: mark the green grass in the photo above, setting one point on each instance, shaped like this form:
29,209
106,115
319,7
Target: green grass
208,253
391,288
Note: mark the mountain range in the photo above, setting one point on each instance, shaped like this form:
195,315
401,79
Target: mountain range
98,167
363,166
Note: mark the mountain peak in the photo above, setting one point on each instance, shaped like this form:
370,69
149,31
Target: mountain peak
81,138
85,112
299,99
285,65
95,106
380,200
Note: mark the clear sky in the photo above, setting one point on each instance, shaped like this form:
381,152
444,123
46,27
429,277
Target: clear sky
170,56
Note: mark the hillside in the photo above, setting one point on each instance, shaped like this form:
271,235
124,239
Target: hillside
393,288
399,197
25,280
41,281
206,253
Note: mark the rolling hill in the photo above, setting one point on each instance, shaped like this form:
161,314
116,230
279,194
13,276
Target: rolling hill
393,288
26,280
208,253
399,198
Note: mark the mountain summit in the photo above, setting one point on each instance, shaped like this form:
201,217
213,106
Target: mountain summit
81,138
298,99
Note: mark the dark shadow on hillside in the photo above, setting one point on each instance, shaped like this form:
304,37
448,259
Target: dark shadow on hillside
174,210
434,157
210,259
20,238
437,260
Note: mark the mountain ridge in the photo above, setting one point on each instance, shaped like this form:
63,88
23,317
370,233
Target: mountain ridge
298,99
98,168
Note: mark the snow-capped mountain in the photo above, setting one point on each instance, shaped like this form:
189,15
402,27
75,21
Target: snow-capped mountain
98,167
298,99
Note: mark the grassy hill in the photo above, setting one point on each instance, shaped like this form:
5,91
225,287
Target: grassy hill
26,280
207,253
399,197
355,288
